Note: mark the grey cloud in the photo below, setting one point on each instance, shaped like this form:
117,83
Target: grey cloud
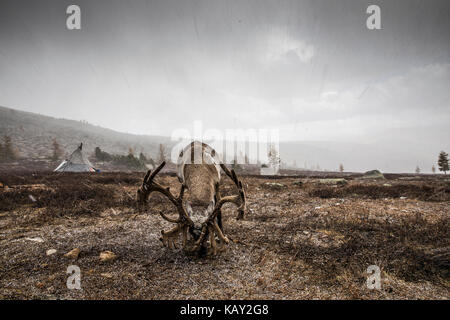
310,68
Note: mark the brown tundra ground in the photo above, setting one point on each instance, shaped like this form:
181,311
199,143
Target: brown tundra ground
297,241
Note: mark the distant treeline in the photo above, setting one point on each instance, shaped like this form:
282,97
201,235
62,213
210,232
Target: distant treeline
129,160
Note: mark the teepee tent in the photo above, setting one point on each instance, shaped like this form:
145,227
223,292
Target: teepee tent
77,162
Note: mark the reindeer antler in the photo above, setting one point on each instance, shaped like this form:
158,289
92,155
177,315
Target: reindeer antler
183,221
238,183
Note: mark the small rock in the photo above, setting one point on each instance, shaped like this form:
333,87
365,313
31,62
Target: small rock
107,256
402,198
36,239
373,174
50,252
107,275
32,198
73,254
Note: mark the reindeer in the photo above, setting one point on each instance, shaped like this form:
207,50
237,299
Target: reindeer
198,170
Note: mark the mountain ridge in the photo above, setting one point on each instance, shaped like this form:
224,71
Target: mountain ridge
33,135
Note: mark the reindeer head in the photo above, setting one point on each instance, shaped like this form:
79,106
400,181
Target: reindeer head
199,170
199,214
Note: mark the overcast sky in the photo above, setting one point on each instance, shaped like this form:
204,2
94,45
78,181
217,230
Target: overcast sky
310,68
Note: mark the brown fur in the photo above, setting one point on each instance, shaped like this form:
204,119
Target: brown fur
201,180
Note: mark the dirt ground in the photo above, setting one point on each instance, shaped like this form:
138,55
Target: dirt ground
304,240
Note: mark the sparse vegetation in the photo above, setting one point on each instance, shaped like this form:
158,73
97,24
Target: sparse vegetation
425,192
101,155
273,156
57,152
161,153
235,165
142,158
308,242
7,152
129,161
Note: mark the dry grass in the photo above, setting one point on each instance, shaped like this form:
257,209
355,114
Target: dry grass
297,242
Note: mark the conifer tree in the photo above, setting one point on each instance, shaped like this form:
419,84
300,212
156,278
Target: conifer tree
443,162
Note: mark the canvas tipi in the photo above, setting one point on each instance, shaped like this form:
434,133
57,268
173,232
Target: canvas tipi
77,162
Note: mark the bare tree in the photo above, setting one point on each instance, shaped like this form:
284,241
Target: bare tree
417,170
341,168
273,155
56,150
8,152
142,157
433,169
161,153
246,160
